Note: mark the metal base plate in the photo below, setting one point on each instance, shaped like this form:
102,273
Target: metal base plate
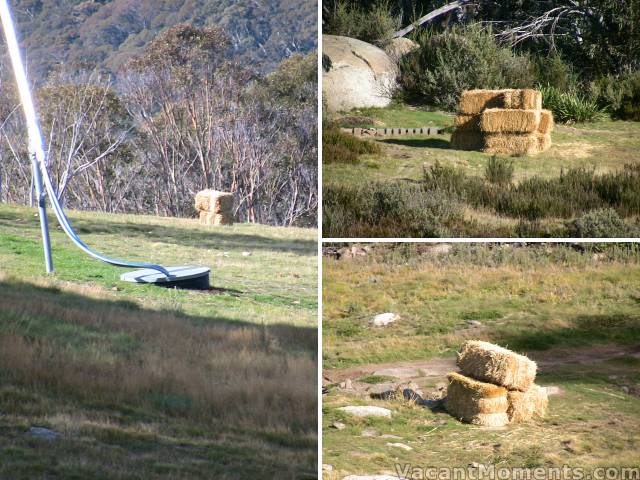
190,277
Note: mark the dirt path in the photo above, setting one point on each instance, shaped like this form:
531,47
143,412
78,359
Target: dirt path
439,367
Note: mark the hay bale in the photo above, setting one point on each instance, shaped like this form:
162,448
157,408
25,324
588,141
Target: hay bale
514,144
473,102
213,218
503,120
491,363
523,99
544,141
546,121
524,406
469,140
214,201
476,402
467,123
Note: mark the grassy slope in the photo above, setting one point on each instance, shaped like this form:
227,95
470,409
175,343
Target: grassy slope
146,382
529,300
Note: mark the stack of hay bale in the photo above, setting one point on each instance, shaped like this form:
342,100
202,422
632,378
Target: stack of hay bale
214,207
495,388
502,122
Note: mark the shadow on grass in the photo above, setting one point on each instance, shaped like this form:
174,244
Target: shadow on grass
585,330
289,337
187,237
419,142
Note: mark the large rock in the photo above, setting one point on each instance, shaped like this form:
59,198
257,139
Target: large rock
399,47
355,74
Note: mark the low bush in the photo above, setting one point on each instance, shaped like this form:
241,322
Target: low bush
499,171
458,59
574,192
391,209
339,147
620,94
602,223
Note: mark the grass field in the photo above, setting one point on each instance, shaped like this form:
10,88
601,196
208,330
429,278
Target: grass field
602,147
574,312
145,382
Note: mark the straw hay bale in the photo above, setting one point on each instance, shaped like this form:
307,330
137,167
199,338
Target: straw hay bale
476,402
523,99
546,121
473,102
514,144
525,405
214,201
503,120
467,123
491,363
544,141
213,218
467,140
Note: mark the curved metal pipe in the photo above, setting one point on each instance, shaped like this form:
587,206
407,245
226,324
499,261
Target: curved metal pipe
36,147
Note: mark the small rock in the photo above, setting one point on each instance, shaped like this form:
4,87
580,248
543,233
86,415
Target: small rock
338,425
327,468
475,324
400,445
368,433
384,319
346,385
391,437
115,289
625,389
246,254
474,465
366,411
43,433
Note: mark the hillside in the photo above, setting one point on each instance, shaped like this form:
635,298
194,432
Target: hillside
145,382
572,310
108,32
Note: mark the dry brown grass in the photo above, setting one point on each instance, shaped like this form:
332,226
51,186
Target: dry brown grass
242,376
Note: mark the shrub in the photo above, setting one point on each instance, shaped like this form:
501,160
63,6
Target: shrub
570,106
338,147
602,223
620,94
389,209
499,171
555,72
458,59
375,24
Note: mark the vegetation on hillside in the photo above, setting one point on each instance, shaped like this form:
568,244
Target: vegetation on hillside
107,33
178,118
147,382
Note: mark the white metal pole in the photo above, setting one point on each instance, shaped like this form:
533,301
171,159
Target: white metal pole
36,145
